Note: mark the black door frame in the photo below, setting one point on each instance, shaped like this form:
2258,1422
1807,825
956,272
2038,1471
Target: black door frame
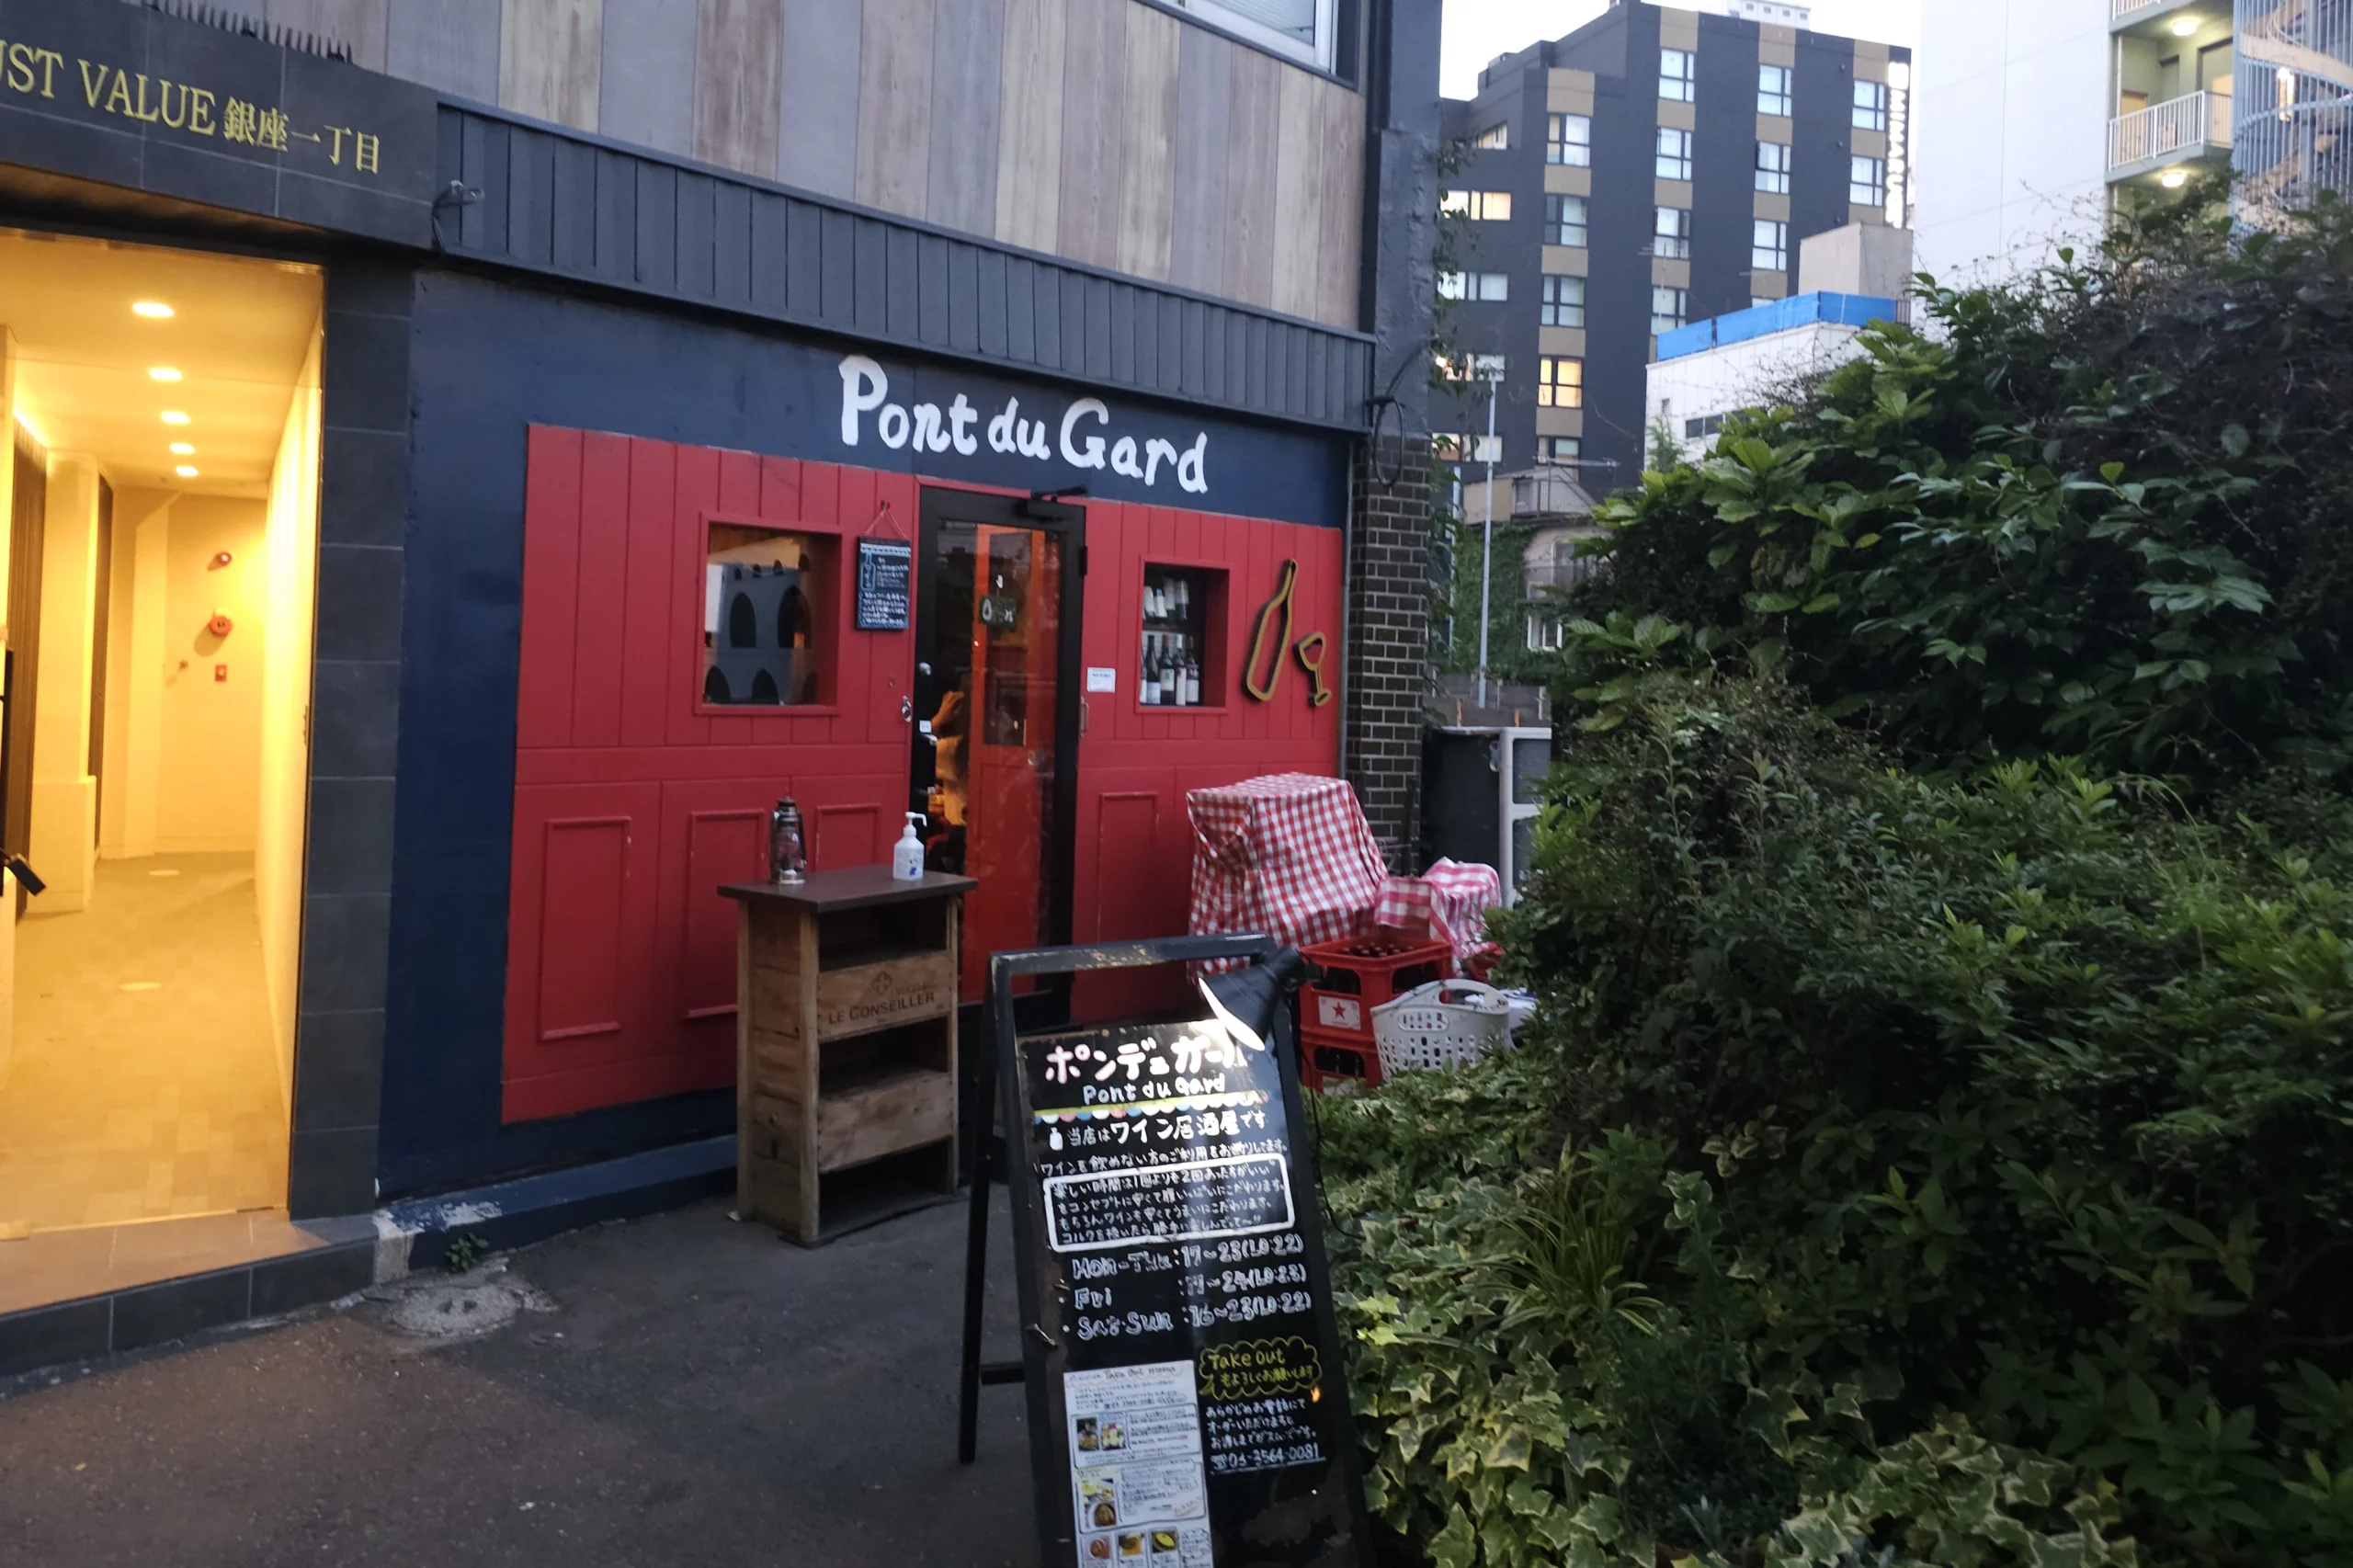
946,504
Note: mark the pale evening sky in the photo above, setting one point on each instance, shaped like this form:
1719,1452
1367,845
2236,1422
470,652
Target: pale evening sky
1478,30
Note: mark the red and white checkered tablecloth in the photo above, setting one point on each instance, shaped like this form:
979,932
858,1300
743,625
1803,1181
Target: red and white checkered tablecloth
1446,901
1289,855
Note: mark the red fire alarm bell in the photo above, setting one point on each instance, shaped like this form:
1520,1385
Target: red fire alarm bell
219,560
220,672
220,625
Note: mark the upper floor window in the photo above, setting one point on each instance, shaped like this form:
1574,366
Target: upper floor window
1559,383
1486,286
1563,450
1870,106
1564,220
1306,30
1568,138
1495,137
1668,307
1671,239
1773,90
1674,75
1563,303
1480,206
1773,167
1674,153
1768,248
1866,181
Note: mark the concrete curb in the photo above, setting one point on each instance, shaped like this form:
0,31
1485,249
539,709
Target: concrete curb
361,1250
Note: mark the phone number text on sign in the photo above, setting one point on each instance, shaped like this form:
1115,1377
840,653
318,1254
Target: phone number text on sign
1191,1201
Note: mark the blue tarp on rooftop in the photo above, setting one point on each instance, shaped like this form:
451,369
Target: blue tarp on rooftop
1781,316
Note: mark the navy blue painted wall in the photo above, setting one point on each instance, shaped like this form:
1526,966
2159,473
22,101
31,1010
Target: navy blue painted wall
487,360
1624,213
1823,129
1723,171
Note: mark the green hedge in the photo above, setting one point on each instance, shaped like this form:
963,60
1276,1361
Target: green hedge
1936,1143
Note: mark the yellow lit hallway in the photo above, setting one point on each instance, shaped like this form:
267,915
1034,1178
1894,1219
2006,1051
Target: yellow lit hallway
143,1080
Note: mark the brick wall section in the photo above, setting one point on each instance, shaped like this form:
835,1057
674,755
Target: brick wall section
1389,636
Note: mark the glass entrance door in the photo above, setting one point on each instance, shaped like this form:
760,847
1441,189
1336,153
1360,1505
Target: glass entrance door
996,709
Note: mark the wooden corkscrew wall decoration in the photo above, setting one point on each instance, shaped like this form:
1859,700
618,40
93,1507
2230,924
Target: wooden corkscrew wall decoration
1266,654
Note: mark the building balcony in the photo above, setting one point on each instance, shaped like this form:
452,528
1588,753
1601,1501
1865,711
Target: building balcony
2128,15
2150,143
1560,575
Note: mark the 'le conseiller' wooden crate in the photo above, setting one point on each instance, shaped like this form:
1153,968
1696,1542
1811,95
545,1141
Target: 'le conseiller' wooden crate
846,1045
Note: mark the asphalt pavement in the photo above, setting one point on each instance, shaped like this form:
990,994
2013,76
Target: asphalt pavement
681,1390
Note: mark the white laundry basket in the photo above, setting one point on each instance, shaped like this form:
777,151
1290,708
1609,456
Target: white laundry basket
1448,1023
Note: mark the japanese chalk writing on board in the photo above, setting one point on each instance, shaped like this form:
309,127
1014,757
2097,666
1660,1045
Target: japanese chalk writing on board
1197,1358
1188,1201
885,568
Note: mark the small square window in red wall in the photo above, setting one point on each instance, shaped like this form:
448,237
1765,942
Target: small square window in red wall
767,620
1181,662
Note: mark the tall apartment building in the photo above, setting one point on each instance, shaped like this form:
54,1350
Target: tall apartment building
2041,119
1655,167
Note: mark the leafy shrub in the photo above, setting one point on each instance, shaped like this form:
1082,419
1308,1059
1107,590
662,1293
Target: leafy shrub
1936,1143
2100,513
1904,1169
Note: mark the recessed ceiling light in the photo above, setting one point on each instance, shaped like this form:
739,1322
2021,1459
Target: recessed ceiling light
186,471
163,373
2186,25
182,450
153,310
174,416
2174,179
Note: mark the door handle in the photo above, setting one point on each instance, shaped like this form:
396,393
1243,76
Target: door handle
906,710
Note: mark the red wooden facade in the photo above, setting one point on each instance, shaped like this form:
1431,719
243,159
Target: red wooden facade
633,801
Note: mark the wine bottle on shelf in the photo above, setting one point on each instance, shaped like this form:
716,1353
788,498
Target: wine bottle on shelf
1183,597
1168,678
1192,675
1148,680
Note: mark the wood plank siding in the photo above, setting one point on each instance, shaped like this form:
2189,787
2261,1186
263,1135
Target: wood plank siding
551,60
1110,132
739,72
1030,125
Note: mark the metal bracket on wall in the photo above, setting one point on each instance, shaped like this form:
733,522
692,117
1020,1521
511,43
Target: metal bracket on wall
456,194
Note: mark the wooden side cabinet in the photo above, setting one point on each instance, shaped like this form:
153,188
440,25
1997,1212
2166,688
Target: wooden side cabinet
845,1047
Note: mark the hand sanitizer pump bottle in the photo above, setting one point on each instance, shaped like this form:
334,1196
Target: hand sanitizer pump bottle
906,856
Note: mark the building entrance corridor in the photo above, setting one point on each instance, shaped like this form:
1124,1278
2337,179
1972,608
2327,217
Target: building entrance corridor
169,1127
162,513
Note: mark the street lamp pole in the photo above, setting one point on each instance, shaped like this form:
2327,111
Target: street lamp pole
1487,545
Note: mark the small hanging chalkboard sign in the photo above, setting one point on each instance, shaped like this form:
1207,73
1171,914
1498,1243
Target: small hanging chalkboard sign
885,569
1188,1404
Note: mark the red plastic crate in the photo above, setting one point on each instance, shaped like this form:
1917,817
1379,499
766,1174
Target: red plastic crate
1330,1060
1359,974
